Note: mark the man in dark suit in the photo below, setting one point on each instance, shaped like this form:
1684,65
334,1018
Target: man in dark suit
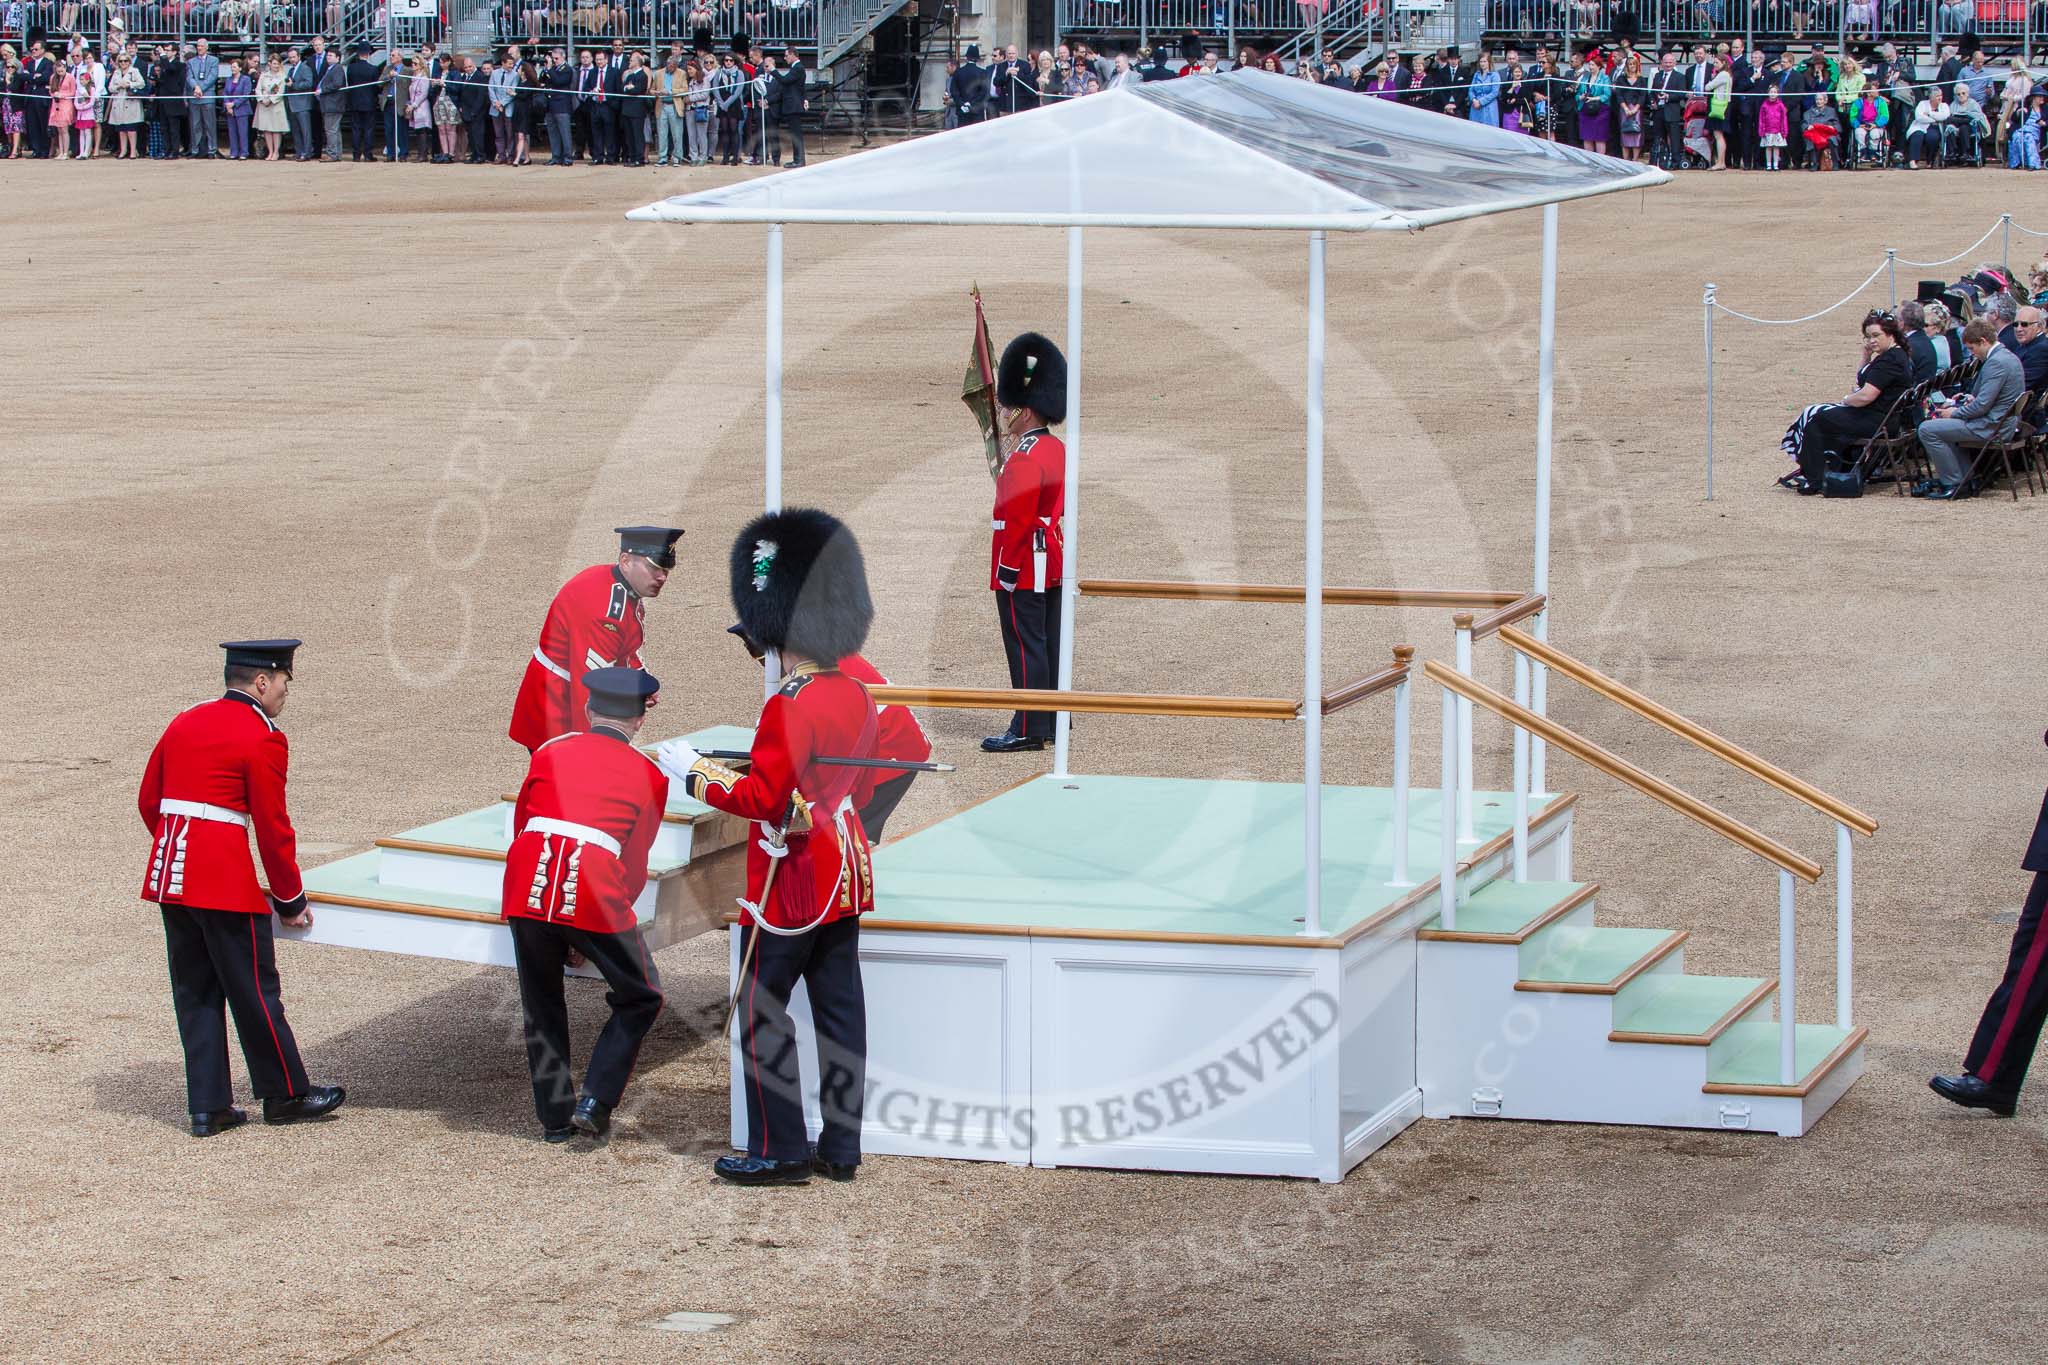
1667,110
560,80
586,96
968,89
1796,91
2025,338
607,115
1446,84
787,102
322,61
1007,76
362,104
37,73
169,89
2011,1024
1747,95
471,91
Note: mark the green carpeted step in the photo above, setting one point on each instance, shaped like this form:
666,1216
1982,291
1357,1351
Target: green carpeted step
1505,911
1672,1005
1752,1057
354,879
1566,956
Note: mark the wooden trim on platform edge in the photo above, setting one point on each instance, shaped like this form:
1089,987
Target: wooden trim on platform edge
1526,932
1088,703
668,817
1156,590
1713,1031
1805,1087
1628,973
402,844
403,908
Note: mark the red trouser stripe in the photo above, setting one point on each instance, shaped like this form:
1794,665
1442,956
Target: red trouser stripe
256,971
2015,1004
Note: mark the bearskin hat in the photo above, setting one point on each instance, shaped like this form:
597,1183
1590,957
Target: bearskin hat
1033,374
798,582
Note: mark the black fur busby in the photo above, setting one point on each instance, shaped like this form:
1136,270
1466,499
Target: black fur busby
798,582
1190,47
1033,374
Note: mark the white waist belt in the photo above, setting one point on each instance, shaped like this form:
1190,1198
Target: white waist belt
550,665
199,810
569,829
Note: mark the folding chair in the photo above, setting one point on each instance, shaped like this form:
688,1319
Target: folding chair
1995,456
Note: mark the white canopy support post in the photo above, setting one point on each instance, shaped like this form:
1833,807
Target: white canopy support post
1546,411
1070,582
1521,802
1845,917
1404,657
1461,660
1788,971
1446,803
1312,608
771,420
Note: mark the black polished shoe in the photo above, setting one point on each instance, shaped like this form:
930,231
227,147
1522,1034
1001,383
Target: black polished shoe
316,1103
841,1171
1972,1093
219,1121
1925,486
1011,744
1948,493
757,1170
558,1135
593,1117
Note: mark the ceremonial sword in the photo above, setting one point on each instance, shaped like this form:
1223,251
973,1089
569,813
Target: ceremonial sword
891,764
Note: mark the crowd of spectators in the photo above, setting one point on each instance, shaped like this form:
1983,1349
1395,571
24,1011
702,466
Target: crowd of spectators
171,101
1953,377
1715,105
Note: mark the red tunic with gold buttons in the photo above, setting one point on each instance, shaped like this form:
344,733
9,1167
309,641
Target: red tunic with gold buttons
1029,540
585,817
218,773
825,873
595,621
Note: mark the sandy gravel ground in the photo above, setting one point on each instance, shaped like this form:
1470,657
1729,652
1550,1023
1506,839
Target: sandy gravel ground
388,410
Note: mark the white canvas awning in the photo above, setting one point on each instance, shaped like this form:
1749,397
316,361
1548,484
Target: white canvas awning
1247,149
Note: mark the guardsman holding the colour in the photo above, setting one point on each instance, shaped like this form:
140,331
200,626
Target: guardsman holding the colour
594,622
217,774
586,815
800,588
1026,567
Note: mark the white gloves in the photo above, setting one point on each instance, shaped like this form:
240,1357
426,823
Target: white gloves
676,757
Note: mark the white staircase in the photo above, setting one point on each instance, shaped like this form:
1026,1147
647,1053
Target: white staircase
1530,1010
844,24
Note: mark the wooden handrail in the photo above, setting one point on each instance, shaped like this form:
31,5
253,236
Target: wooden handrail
1285,592
1620,769
1736,757
1372,684
1104,703
1521,609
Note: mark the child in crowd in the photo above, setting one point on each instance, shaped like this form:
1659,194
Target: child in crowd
1773,121
1823,128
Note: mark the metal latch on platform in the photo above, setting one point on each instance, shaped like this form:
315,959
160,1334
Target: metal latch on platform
1735,1116
1486,1101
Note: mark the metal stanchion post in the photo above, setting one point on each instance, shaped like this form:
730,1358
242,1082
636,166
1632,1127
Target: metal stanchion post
1707,306
1891,274
2005,231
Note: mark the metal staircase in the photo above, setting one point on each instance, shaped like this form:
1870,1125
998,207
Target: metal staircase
844,24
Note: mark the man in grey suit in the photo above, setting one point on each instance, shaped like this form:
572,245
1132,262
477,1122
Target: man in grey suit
202,80
333,105
301,91
1985,415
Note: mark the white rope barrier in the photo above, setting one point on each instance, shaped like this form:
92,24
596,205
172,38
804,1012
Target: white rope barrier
1710,304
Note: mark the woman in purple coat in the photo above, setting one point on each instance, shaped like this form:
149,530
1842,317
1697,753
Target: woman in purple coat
240,107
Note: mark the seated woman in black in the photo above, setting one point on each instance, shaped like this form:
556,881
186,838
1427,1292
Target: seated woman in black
1823,432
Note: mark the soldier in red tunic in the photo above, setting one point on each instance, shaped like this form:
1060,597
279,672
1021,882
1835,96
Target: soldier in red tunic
898,736
800,588
217,773
594,622
586,815
1025,560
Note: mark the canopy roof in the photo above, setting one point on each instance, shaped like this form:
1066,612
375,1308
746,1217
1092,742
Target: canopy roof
1246,149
